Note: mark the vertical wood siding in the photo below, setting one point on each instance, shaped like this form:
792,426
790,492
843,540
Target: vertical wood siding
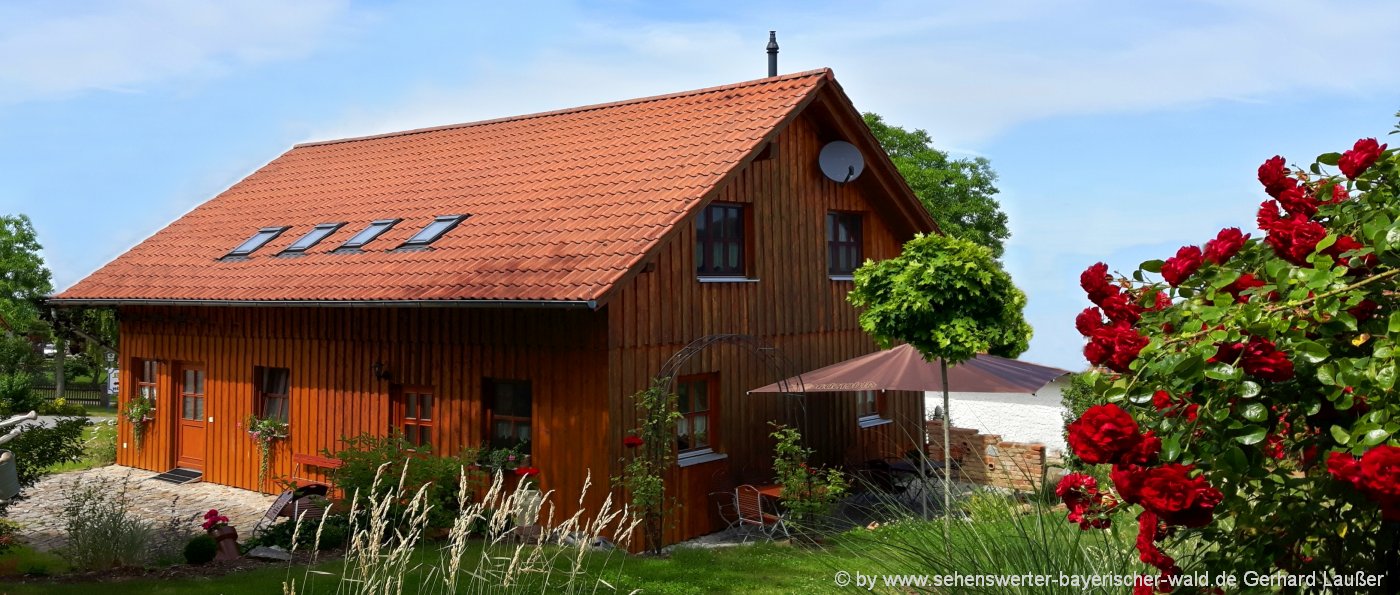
330,351
794,305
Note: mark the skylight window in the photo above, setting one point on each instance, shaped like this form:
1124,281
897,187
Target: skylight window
368,234
312,238
263,236
433,231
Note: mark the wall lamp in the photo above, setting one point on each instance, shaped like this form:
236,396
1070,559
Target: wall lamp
379,371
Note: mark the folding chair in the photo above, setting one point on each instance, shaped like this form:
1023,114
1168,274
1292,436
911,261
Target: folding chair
727,506
751,514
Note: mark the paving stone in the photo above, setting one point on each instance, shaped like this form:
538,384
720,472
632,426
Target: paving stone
41,517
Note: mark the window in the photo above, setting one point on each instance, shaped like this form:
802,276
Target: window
312,238
368,234
843,243
870,408
433,231
508,414
192,394
273,386
263,236
719,241
147,374
413,410
695,430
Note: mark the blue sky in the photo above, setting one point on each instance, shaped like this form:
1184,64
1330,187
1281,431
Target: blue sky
1120,130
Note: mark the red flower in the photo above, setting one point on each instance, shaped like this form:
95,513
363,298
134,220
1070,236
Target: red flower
1380,479
1088,321
1147,538
1191,412
1364,310
1119,308
527,471
1080,493
1360,158
1298,201
1178,268
1226,245
1127,479
632,441
1261,359
1273,174
1095,282
1160,301
1244,282
1176,497
1293,238
1145,451
1339,193
1103,434
1344,244
1161,400
1115,346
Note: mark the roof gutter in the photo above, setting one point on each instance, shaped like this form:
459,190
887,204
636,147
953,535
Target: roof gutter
567,304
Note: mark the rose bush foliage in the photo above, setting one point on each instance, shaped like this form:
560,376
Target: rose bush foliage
1246,387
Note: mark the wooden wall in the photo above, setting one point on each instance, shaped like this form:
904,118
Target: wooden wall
793,304
330,351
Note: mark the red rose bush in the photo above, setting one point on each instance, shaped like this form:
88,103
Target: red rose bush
1247,411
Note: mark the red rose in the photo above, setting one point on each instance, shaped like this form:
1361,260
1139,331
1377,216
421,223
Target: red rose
1095,282
632,441
1360,158
1127,479
1226,353
1273,174
1161,400
1115,346
1148,535
1244,282
1339,193
1261,359
1080,493
1380,479
1103,434
1293,238
1145,451
1344,244
1088,321
1298,201
1344,467
1119,308
1176,497
1192,411
1226,245
527,471
1178,268
1160,301
1364,310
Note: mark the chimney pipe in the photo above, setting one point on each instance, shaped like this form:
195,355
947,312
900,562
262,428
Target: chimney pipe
772,53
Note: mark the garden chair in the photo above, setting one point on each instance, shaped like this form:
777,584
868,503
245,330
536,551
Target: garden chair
727,506
293,504
749,503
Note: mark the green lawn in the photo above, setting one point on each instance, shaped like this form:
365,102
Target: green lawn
754,568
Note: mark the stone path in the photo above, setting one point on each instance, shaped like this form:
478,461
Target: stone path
41,518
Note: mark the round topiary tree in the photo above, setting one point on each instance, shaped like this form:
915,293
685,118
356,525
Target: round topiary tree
1246,386
948,298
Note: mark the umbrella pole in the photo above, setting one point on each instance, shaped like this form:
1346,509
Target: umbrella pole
947,450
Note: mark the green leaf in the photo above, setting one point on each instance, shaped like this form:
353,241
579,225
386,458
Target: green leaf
1222,371
1385,377
1327,374
1171,447
1394,325
1375,437
1234,459
1341,436
1256,412
1151,266
1329,159
1249,389
1311,351
1254,436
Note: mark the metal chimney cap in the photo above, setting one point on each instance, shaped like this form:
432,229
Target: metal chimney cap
772,41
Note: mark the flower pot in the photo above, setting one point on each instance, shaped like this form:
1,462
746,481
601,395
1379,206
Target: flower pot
227,539
528,503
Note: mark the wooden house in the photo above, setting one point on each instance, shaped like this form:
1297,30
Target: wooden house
515,281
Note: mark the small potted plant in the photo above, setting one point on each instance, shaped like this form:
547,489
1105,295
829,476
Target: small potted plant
139,411
224,535
266,432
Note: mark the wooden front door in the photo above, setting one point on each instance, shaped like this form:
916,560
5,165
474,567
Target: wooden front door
189,436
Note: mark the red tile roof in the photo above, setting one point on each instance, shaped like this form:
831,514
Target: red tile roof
562,204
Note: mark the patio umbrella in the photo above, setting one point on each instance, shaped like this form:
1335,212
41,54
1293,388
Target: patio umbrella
904,368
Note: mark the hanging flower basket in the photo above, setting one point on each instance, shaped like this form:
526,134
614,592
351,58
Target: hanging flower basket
140,411
266,432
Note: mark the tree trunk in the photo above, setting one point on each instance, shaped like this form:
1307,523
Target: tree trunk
947,451
59,358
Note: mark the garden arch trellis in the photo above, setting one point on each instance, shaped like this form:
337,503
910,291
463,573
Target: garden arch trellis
772,357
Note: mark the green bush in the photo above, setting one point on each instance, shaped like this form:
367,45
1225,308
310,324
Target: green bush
38,448
16,396
102,533
334,529
60,406
364,454
201,550
8,530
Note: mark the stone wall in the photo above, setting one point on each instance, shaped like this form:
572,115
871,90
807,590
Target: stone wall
986,459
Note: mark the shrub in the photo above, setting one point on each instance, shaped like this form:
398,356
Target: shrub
16,395
364,454
333,530
103,533
808,493
1237,392
39,448
201,550
8,532
60,406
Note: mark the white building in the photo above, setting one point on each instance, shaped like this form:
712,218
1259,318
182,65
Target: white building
1017,417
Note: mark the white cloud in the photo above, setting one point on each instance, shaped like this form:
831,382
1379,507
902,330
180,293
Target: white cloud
122,46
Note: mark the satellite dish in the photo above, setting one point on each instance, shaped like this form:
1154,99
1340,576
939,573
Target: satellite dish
841,161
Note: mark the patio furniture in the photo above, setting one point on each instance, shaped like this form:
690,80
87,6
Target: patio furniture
727,507
294,504
749,500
